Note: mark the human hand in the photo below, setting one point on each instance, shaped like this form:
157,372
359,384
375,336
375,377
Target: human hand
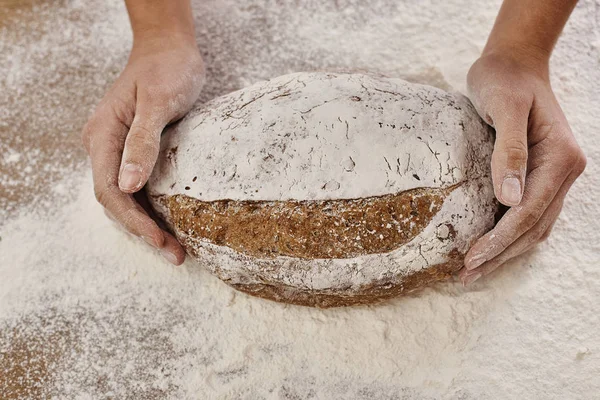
535,160
162,80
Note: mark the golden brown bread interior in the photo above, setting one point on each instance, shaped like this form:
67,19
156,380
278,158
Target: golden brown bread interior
309,229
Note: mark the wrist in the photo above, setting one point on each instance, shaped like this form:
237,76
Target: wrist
529,57
150,43
167,35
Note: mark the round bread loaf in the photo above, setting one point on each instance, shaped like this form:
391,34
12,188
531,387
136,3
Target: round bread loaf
328,189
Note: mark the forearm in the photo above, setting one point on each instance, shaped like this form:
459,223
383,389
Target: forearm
155,18
529,28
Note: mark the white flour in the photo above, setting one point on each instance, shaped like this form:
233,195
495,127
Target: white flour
91,313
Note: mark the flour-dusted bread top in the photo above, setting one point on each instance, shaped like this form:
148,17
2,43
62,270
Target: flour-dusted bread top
317,136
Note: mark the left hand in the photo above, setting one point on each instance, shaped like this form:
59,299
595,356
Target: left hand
535,161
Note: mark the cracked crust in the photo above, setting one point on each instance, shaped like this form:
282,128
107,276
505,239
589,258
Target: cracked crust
328,189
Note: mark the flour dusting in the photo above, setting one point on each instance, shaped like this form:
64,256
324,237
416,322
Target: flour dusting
288,137
86,311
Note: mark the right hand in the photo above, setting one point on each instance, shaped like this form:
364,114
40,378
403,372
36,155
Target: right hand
535,160
159,85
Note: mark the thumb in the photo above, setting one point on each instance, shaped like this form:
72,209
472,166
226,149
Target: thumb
141,146
509,159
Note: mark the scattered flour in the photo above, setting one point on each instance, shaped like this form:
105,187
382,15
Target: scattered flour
51,80
86,311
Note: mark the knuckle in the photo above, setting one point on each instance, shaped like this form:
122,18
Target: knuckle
539,232
564,141
581,163
530,217
103,192
562,133
87,132
142,136
502,240
571,154
100,193
544,236
571,148
515,149
122,111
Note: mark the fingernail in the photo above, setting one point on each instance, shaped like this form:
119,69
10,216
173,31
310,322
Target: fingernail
131,175
475,261
149,241
511,191
469,279
170,257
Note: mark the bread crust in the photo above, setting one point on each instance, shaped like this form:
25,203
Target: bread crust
327,190
373,293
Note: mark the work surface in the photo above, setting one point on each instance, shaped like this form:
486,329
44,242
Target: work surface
87,311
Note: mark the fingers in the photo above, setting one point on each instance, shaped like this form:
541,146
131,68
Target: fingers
105,138
523,244
538,233
171,249
142,145
509,159
542,186
106,143
535,159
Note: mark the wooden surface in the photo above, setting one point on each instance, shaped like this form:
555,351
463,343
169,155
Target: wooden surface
42,121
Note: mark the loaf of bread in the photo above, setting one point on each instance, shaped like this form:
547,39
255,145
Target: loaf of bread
328,189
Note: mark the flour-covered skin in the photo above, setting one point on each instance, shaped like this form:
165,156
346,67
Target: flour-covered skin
162,79
544,150
331,136
536,158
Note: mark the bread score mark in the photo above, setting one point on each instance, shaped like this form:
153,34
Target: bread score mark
309,229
